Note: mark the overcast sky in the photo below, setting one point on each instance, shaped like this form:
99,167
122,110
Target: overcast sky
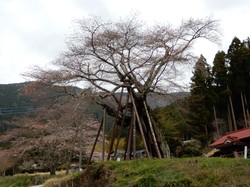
33,32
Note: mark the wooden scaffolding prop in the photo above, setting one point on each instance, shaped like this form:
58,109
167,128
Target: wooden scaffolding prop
136,125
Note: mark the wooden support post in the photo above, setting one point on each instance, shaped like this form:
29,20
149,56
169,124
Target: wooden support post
134,135
139,124
152,131
128,150
121,128
126,146
81,148
103,131
245,152
96,139
115,127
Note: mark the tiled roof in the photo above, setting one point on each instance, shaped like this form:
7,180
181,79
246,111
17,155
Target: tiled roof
233,136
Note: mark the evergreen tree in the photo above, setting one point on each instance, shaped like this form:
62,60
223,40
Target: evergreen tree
246,77
220,81
238,59
220,71
236,56
172,122
200,102
246,66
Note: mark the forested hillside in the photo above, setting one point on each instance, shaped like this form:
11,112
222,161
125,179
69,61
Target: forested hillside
12,101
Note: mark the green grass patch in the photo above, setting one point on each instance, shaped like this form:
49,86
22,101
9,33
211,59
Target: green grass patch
197,172
22,180
26,180
184,172
61,179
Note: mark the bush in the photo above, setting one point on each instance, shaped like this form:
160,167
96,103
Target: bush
189,149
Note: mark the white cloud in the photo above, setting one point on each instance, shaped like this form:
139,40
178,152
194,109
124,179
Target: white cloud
226,5
159,10
34,32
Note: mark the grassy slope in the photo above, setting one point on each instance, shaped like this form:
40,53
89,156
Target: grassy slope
197,172
175,172
26,180
23,180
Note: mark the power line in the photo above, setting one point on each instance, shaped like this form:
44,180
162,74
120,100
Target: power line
16,110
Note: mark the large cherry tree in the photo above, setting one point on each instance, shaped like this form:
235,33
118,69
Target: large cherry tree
112,55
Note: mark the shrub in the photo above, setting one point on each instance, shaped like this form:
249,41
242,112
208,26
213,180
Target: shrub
189,148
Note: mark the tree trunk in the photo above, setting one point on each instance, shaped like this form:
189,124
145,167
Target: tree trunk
232,112
52,170
156,142
247,111
243,108
216,122
229,119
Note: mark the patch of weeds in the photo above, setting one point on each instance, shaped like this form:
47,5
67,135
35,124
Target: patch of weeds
18,180
179,183
204,166
207,179
149,181
96,172
61,180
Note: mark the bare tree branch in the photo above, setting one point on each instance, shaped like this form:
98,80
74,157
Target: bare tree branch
104,53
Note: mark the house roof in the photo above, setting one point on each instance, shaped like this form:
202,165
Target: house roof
232,137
